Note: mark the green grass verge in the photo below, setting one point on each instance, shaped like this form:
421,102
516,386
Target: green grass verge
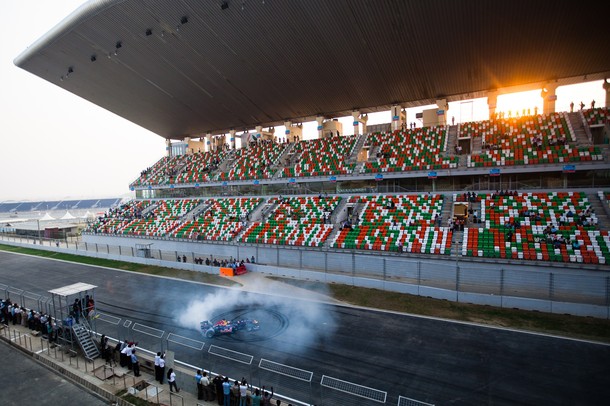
588,328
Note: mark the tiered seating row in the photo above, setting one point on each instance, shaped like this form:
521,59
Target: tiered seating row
300,221
254,162
408,150
538,226
322,157
198,167
222,220
397,223
597,116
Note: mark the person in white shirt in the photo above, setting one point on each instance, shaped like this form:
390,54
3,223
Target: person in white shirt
157,358
161,369
171,379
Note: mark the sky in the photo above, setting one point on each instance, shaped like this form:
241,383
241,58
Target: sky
58,146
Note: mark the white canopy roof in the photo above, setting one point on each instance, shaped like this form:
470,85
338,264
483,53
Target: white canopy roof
47,217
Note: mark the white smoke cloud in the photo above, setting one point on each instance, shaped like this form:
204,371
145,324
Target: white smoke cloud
296,316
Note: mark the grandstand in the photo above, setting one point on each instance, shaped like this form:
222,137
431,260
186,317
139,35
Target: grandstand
396,188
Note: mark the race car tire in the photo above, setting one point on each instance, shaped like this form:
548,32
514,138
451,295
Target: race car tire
209,333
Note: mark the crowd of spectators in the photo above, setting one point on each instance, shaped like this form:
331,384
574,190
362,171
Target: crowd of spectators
12,313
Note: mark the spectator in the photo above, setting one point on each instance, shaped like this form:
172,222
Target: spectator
171,379
198,377
243,392
161,369
205,384
226,392
256,398
266,400
135,365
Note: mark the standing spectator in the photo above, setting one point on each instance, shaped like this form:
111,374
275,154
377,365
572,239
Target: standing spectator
76,310
592,104
205,384
226,392
157,358
123,356
198,377
135,365
243,391
256,398
571,107
235,393
161,368
266,400
171,379
582,105
218,381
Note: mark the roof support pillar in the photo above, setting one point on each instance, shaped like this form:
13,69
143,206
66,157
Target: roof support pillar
606,86
168,147
398,117
492,103
208,141
287,131
549,97
258,134
232,139
356,122
320,121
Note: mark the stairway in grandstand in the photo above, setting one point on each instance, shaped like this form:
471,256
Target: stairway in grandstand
197,211
226,163
85,341
452,135
357,147
477,145
580,135
257,213
447,212
284,155
601,210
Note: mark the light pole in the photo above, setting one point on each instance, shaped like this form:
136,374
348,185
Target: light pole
38,223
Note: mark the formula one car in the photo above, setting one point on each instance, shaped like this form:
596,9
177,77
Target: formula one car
224,326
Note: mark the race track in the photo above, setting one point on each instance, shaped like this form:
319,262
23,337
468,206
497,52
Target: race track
429,360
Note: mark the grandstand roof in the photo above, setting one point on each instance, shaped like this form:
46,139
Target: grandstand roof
205,68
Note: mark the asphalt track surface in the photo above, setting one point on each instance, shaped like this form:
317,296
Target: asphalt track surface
429,360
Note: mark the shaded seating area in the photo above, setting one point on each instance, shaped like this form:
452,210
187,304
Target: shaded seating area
321,157
254,162
409,150
199,166
526,140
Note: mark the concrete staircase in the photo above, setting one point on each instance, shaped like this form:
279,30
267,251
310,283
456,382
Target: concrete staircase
447,211
85,341
200,208
357,147
452,134
601,211
577,126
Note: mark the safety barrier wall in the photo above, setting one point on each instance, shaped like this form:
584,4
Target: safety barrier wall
555,290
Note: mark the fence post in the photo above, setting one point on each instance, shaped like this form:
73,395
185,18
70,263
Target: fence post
607,290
